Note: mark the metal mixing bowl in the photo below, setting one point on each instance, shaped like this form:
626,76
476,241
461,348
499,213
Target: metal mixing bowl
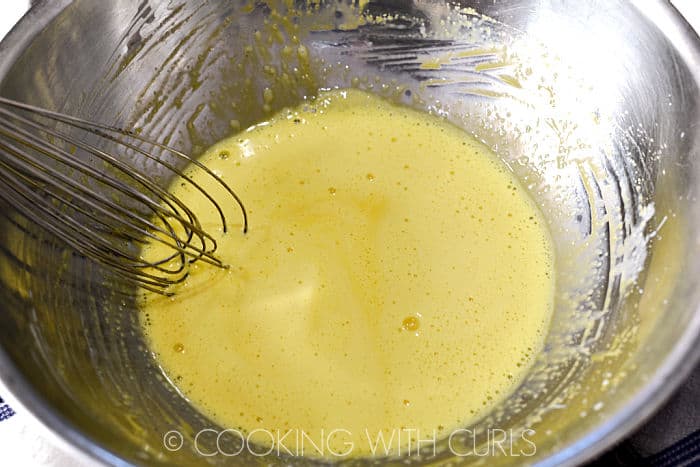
594,106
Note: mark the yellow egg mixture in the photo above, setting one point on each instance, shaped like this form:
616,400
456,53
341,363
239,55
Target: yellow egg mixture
395,277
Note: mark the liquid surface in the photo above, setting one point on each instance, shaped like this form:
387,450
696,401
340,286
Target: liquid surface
396,280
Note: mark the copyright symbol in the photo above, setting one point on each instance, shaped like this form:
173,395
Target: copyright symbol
173,440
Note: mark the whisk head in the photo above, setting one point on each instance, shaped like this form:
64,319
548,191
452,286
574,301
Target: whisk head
91,186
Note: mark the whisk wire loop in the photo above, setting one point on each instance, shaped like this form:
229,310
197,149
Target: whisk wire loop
49,169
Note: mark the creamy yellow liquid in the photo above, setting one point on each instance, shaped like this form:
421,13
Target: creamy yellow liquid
395,277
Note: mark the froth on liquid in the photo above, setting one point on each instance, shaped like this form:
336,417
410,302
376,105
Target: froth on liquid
395,275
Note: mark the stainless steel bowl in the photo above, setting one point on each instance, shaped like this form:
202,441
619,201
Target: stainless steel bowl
594,105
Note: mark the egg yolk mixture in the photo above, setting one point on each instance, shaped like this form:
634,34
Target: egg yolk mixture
395,276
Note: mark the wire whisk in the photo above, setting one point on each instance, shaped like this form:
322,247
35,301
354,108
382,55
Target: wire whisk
91,186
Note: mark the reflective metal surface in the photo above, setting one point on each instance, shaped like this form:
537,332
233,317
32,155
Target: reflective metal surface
594,105
87,209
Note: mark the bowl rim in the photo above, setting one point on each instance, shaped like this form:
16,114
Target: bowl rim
23,397
674,369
